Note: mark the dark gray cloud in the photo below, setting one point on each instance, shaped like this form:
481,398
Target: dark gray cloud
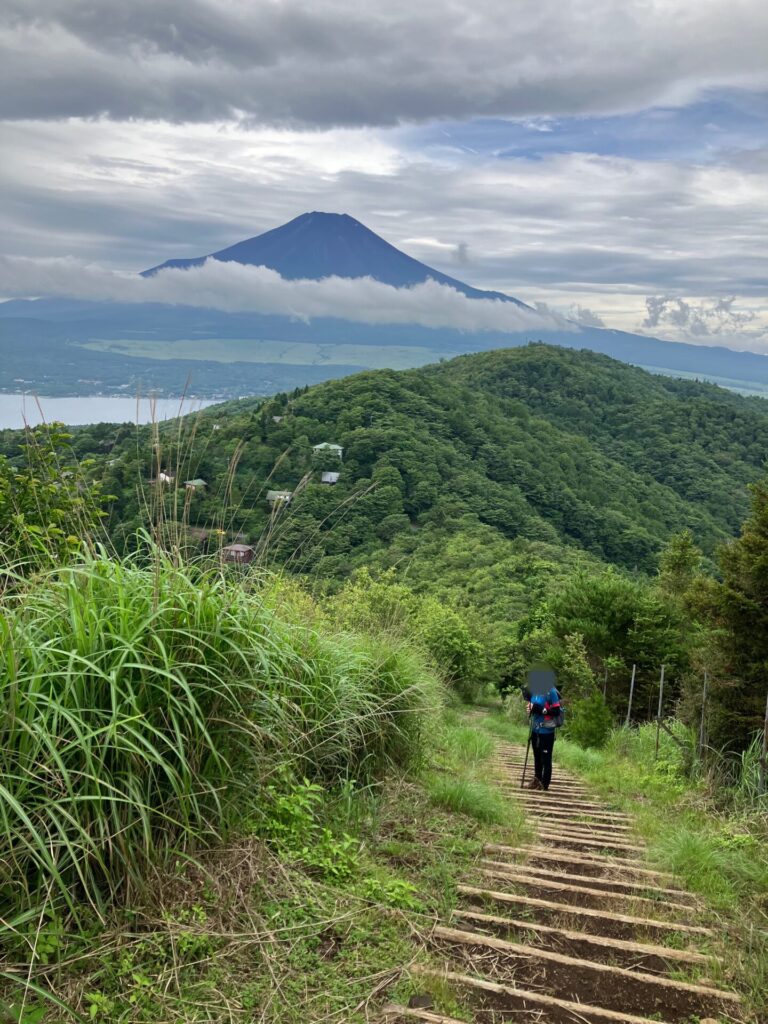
346,62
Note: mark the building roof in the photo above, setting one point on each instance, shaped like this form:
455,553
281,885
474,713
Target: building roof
238,548
327,446
329,478
195,483
279,495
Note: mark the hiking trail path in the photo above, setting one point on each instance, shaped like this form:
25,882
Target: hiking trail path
575,927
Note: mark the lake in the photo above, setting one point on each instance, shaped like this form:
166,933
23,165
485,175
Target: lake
18,409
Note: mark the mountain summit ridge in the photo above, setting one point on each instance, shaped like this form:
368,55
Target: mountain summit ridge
317,244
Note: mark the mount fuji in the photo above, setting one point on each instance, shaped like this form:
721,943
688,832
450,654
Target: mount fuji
317,245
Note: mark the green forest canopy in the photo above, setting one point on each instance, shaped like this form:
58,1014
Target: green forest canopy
546,444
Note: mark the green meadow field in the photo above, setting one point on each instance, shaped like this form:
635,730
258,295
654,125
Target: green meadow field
250,350
299,353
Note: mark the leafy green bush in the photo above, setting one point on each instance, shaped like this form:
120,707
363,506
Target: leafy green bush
291,821
589,720
394,892
383,604
48,507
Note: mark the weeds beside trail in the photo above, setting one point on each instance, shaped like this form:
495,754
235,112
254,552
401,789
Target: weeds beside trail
148,708
313,911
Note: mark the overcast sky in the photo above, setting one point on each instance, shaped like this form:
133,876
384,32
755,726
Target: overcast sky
609,159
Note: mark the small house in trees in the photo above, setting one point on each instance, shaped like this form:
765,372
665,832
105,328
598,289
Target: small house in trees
331,449
277,419
277,498
164,478
240,554
329,478
195,485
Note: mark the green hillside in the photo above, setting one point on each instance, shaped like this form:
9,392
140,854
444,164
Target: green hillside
538,444
486,481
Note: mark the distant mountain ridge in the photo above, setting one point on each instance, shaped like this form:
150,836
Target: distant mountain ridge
68,346
317,245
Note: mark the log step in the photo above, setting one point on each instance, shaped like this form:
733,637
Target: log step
508,1001
648,953
531,797
575,817
596,916
603,985
595,883
600,844
565,889
586,830
607,863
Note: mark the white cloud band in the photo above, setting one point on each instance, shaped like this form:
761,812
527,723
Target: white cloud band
236,288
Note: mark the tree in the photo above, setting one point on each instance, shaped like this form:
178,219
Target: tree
738,704
622,620
589,720
48,506
679,564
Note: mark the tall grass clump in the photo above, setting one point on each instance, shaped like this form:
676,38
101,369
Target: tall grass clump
473,797
145,707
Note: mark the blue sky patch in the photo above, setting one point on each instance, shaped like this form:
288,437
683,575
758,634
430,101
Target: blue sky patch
704,131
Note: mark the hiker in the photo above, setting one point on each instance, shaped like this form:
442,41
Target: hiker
546,714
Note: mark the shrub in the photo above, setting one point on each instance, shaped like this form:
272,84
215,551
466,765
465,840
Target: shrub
589,720
384,604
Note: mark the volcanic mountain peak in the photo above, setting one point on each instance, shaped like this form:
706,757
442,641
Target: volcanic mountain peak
317,245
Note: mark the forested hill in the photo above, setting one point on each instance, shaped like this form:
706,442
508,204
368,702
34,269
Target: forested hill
535,444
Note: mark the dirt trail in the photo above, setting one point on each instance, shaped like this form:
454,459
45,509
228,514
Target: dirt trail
574,927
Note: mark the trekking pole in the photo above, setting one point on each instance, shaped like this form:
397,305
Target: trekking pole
527,752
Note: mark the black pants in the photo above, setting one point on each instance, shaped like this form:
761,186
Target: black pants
542,744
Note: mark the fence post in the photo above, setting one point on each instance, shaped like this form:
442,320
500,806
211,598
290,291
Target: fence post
631,692
703,712
658,713
764,754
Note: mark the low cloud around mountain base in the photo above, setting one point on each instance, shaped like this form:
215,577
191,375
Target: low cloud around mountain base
234,288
